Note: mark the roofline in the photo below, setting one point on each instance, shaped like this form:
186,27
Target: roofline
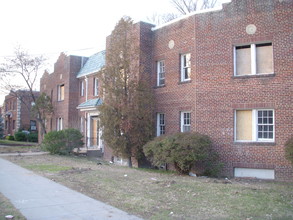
90,73
189,15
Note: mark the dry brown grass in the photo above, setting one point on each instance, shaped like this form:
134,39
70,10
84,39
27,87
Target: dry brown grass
156,195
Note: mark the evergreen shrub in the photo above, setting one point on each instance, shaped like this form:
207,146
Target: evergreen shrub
181,149
62,142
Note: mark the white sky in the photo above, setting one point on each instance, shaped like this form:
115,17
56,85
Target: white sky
51,26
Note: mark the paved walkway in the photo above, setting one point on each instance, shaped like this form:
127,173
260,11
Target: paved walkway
39,198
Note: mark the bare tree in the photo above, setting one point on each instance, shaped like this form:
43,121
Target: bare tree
160,19
187,6
183,7
21,72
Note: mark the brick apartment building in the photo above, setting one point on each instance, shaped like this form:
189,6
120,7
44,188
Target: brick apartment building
222,72
16,112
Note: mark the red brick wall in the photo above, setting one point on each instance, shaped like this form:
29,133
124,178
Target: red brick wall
21,111
65,71
214,93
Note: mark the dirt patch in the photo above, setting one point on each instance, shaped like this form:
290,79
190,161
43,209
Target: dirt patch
157,195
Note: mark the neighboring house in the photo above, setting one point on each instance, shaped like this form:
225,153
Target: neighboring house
17,112
223,72
62,87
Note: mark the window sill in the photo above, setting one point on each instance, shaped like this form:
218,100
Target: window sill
254,143
184,82
60,101
161,86
255,76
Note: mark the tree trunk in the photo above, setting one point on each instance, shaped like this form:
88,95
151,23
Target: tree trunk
129,162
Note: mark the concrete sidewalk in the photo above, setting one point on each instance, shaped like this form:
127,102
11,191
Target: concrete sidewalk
39,198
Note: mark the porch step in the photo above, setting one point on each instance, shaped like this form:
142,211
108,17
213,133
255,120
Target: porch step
95,153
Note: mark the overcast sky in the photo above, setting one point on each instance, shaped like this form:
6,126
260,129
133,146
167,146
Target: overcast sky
51,26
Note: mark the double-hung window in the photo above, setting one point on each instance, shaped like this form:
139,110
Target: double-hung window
60,92
82,88
185,64
96,86
185,123
161,73
161,127
253,59
257,125
59,124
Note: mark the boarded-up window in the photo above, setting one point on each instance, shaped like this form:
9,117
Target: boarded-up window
244,125
264,58
254,59
243,60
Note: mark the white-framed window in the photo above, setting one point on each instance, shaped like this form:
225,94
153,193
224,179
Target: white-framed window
59,124
81,88
161,126
81,124
185,64
255,125
96,86
161,73
60,92
253,59
185,121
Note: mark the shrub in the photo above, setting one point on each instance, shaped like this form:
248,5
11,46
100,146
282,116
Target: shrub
9,138
289,149
53,142
20,136
181,149
73,139
62,142
32,137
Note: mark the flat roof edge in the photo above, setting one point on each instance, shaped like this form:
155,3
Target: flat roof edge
189,15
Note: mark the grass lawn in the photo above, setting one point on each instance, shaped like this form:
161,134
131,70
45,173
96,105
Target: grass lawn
17,143
19,149
6,208
160,195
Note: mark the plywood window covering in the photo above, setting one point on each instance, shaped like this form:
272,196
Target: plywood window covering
243,60
244,125
161,73
254,59
264,58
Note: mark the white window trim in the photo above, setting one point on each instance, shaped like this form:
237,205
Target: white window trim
255,127
81,124
253,59
59,92
82,88
182,120
183,67
96,84
159,72
59,124
159,124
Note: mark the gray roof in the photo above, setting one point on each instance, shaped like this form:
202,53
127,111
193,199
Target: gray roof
91,103
94,64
